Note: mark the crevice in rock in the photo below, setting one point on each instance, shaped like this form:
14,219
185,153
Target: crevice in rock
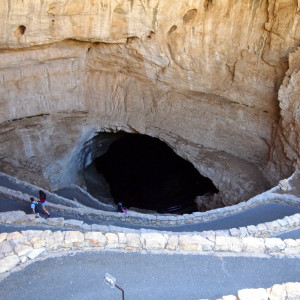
189,15
22,29
172,29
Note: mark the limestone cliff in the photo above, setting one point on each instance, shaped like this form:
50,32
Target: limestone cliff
201,75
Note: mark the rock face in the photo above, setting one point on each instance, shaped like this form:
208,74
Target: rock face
216,80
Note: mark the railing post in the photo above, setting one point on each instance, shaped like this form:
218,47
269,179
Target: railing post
123,294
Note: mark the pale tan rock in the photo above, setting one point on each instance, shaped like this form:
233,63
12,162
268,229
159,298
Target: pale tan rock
3,236
6,248
37,242
293,290
12,217
133,241
229,297
231,244
33,233
13,235
112,240
277,292
153,241
122,238
73,223
55,240
291,251
284,185
8,263
194,243
172,243
274,244
74,237
262,230
291,243
252,244
235,232
23,259
46,234
22,249
292,247
289,104
56,221
95,238
35,253
252,294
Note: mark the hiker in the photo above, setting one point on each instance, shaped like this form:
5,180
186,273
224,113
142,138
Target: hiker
121,209
42,201
35,207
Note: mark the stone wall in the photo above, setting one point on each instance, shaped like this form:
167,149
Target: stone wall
286,291
60,236
20,248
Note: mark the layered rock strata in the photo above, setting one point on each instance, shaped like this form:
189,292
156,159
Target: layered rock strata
203,76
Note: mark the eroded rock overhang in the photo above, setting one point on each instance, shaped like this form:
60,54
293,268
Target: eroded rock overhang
203,77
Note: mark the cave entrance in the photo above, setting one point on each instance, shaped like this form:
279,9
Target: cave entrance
144,173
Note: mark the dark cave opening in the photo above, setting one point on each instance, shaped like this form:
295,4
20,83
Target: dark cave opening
143,172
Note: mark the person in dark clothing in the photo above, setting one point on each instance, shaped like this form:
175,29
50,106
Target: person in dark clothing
121,209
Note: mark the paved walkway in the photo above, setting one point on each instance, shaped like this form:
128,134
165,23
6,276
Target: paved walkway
147,277
252,216
153,276
70,193
81,197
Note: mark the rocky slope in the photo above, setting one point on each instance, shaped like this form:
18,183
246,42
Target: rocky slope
217,81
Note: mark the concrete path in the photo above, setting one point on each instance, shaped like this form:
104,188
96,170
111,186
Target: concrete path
253,216
84,198
5,182
68,193
146,276
152,276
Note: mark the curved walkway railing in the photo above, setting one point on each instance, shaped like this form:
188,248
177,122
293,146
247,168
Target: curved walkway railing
18,247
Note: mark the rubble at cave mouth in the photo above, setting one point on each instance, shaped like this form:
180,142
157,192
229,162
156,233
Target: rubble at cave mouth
144,173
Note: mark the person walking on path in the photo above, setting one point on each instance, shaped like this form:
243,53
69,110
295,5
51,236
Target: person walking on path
42,201
121,209
34,207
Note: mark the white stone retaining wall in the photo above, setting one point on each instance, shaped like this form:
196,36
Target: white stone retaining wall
261,230
286,291
19,247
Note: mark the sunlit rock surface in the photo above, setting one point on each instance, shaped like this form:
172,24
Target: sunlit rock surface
217,81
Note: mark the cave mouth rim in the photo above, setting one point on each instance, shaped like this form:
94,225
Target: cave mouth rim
121,134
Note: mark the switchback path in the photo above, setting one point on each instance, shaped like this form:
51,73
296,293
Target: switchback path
69,193
252,216
153,276
146,276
